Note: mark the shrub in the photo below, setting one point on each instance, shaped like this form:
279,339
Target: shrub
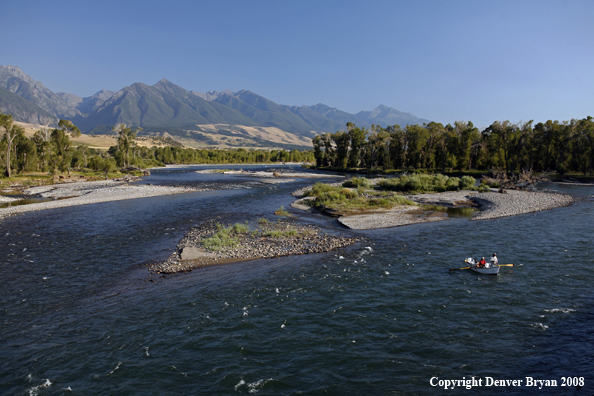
240,228
357,182
282,212
489,182
467,182
318,189
428,183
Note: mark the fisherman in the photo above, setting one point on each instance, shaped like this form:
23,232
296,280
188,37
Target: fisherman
482,262
494,260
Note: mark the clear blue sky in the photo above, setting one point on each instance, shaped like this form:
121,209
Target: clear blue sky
474,60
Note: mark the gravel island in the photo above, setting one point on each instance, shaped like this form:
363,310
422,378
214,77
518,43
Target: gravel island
191,252
90,192
512,202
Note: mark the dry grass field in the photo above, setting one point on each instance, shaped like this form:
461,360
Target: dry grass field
204,136
101,142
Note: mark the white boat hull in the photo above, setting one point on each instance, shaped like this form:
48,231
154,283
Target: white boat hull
489,271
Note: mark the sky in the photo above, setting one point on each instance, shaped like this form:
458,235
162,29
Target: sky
446,61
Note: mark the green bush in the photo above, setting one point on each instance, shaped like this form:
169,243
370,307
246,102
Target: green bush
282,212
318,189
489,182
357,182
225,237
240,228
467,182
428,183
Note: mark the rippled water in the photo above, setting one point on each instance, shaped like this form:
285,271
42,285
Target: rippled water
79,311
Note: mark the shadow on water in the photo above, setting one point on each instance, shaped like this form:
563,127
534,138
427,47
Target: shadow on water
453,212
28,201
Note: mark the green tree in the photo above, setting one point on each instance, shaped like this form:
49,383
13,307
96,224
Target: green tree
9,132
398,146
126,138
61,144
42,139
341,140
69,128
357,136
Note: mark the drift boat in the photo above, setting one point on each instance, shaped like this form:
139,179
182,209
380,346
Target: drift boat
488,269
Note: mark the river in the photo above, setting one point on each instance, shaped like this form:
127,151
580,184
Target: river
81,315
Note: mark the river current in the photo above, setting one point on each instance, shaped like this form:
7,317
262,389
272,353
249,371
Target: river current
81,315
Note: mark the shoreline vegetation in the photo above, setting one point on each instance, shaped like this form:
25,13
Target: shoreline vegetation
73,193
378,203
361,203
511,149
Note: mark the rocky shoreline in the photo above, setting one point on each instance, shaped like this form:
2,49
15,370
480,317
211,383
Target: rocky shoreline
191,252
90,192
513,202
491,205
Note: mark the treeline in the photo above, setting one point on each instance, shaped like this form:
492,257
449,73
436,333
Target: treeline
566,146
52,150
178,155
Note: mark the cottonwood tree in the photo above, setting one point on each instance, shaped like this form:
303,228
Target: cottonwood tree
9,131
125,139
61,144
42,139
69,128
357,136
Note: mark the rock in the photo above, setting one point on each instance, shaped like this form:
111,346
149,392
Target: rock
192,253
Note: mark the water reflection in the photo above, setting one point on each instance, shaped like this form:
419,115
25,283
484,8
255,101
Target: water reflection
453,212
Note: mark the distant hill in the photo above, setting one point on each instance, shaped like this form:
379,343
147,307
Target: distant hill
19,83
384,116
161,105
163,109
23,110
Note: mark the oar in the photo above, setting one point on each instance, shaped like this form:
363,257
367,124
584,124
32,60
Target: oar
506,265
456,269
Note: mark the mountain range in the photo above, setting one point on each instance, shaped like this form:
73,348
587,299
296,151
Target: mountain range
240,118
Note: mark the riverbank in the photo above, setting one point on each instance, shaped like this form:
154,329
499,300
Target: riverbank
90,192
270,240
272,174
490,205
512,202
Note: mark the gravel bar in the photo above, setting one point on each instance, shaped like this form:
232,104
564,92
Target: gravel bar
512,202
91,192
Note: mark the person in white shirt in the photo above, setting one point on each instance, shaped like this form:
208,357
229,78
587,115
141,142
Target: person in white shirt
494,259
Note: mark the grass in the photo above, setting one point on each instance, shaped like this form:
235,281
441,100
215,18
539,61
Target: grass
420,183
225,237
26,179
490,182
357,182
231,236
280,234
359,195
352,200
282,212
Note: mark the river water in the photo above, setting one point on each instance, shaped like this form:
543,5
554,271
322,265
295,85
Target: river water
81,315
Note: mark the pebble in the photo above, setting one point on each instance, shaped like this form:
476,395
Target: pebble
310,240
83,193
513,202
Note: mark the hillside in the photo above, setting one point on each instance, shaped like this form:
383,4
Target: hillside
23,110
101,142
384,115
214,118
